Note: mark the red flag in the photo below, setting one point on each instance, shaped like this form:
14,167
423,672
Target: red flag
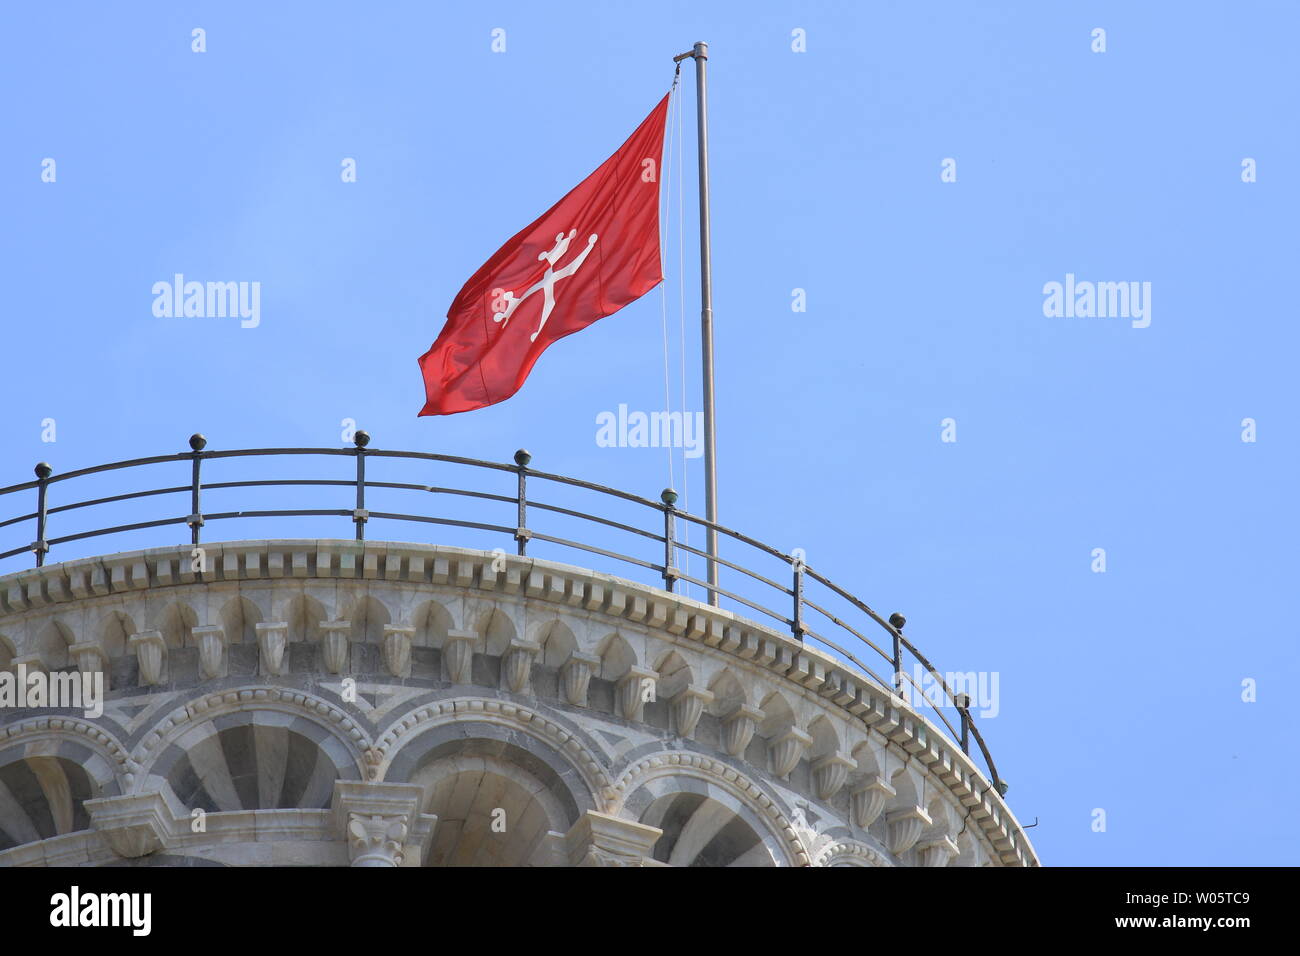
586,257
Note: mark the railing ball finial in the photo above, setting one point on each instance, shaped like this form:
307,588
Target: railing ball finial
522,458
43,470
1001,787
361,439
198,442
668,497
898,621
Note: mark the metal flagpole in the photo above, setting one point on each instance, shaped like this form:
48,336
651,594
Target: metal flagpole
701,56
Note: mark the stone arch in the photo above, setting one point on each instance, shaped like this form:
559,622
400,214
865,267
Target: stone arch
849,853
52,643
368,616
42,796
943,822
616,656
675,675
728,693
175,623
908,787
496,630
703,826
304,614
114,630
431,621
255,760
778,715
558,643
399,748
98,751
678,768
969,850
870,760
825,741
239,617
497,803
342,738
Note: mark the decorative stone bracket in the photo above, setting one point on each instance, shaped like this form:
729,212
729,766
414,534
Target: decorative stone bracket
830,773
151,654
211,641
90,658
334,645
787,749
517,665
688,708
938,852
458,652
272,640
738,729
869,798
575,677
397,649
632,692
905,826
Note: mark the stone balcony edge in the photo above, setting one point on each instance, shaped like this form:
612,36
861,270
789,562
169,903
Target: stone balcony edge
430,564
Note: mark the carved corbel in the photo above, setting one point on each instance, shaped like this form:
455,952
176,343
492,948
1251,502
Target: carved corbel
272,641
575,677
458,652
688,708
635,688
150,653
787,749
939,852
334,643
397,649
904,828
90,659
738,729
517,665
830,773
869,798
211,641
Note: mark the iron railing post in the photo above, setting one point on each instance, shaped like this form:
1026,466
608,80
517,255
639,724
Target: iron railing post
897,622
963,704
669,498
359,515
797,626
522,458
43,472
195,520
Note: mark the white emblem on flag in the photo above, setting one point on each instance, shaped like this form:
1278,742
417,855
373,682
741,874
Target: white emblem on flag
547,282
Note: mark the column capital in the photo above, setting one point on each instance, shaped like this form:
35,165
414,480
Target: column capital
598,839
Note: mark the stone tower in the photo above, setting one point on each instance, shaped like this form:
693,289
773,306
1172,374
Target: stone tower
339,702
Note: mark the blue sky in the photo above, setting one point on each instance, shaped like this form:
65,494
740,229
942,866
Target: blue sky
1120,690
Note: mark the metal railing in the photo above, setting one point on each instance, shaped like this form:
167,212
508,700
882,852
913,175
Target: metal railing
664,561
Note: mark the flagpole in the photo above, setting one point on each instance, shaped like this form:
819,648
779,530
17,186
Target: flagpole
701,56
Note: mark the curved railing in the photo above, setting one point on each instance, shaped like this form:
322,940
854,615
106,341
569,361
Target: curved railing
670,548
